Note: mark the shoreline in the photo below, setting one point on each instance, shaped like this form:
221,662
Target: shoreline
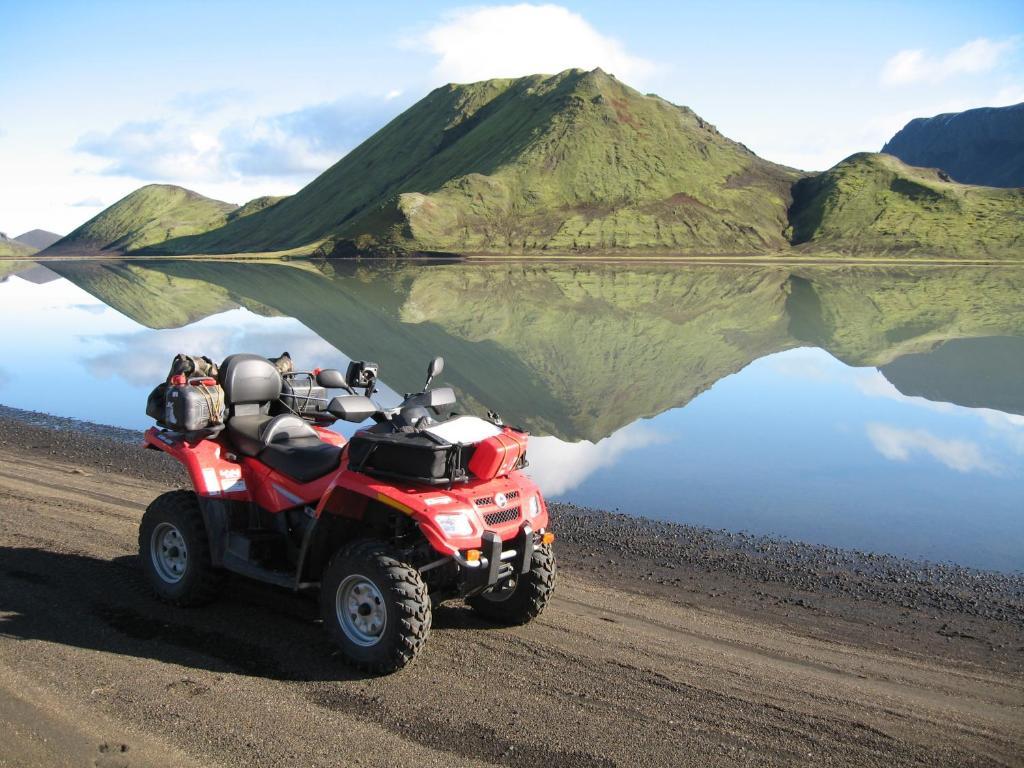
780,259
774,578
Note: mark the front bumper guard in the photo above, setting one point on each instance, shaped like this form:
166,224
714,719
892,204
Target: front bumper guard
497,563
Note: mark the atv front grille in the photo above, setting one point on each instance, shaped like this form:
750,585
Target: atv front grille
502,516
488,501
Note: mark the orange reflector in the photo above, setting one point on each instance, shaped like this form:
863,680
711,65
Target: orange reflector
547,538
473,555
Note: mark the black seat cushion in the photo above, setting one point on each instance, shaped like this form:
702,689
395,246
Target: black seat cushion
244,433
304,458
285,443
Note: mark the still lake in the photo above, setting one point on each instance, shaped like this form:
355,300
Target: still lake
867,407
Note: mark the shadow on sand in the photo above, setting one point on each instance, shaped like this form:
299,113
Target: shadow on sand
104,605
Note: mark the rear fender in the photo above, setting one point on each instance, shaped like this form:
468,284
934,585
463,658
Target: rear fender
211,471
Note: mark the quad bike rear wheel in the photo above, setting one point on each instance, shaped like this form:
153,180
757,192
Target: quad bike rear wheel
175,551
525,601
375,607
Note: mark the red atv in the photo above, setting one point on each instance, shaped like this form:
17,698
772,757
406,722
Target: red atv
421,507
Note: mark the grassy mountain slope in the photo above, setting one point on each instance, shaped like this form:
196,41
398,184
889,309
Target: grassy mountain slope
38,238
571,161
876,204
149,215
978,146
13,249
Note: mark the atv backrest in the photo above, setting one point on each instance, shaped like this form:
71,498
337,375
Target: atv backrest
250,383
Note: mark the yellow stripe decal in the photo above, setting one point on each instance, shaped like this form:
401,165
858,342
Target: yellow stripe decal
384,499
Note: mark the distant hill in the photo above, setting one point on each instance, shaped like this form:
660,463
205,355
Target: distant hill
14,249
570,162
979,146
148,215
876,204
255,205
38,238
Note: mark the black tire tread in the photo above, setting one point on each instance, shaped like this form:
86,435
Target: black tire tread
411,599
184,506
532,593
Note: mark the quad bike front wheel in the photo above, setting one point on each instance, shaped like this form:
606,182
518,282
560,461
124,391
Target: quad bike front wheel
525,601
175,551
375,607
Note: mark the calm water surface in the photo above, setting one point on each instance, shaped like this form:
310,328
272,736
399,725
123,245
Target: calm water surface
858,407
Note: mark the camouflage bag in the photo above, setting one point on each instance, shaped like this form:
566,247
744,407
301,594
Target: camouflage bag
283,363
190,366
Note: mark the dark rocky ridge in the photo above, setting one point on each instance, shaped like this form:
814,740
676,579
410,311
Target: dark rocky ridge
979,146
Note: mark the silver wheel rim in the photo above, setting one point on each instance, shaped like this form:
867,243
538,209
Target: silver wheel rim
361,610
169,553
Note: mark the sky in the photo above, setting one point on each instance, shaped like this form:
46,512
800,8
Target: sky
241,99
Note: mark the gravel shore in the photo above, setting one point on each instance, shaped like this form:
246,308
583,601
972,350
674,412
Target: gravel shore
665,645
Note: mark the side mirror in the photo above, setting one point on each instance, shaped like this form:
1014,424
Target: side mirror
330,378
435,367
443,397
354,408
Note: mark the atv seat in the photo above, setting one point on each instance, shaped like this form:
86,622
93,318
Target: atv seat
286,442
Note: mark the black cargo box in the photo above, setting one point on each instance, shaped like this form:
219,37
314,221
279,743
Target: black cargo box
414,456
300,394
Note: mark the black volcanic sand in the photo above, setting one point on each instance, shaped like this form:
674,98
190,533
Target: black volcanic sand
863,597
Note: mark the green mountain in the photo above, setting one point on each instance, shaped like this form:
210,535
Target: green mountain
979,146
872,204
14,249
152,214
579,351
575,161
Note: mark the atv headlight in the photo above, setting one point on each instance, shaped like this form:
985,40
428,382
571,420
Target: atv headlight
532,507
455,525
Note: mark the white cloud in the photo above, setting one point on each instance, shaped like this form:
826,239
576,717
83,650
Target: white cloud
1008,426
515,40
190,148
971,58
899,444
1008,96
155,150
557,466
215,336
88,202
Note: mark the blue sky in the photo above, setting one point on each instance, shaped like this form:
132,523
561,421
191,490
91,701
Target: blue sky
237,99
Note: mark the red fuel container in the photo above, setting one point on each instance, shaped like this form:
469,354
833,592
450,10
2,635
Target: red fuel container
497,456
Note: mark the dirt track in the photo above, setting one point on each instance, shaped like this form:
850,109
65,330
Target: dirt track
94,672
